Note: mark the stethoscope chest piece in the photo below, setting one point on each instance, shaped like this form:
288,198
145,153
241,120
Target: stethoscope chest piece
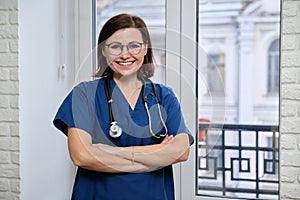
115,130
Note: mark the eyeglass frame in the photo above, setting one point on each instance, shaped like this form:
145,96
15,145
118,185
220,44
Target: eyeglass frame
128,50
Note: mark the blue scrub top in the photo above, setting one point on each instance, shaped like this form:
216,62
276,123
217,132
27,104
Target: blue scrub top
86,108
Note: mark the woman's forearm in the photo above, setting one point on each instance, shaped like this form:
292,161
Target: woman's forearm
163,154
153,156
106,162
86,155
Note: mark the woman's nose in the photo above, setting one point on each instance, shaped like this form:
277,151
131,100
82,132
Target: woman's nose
124,51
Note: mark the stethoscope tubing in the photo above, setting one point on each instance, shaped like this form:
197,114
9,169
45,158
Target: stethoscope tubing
115,130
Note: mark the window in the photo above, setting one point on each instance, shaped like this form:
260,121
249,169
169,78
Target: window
273,67
238,63
230,32
215,73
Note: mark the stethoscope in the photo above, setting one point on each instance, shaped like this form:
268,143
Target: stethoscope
115,130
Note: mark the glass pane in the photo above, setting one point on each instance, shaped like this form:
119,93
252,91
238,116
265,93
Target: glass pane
238,87
152,12
238,61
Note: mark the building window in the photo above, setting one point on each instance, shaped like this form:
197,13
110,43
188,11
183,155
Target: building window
215,73
273,67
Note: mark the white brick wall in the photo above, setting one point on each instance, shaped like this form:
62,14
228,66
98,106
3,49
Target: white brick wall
290,102
9,95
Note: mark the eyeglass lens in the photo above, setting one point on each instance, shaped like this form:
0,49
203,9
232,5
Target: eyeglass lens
116,48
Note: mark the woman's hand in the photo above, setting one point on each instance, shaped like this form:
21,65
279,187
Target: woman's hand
171,150
168,139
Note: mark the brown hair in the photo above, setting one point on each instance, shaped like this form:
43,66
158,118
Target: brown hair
114,24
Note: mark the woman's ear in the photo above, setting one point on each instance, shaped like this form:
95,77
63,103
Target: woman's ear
145,49
103,52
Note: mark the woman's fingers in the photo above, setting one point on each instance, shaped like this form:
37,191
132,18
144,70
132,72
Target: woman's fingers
168,139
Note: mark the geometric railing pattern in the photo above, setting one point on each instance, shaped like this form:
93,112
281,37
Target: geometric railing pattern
238,161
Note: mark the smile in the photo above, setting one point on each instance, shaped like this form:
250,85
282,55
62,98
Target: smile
125,63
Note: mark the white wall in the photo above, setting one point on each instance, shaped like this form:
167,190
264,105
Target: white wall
46,170
9,104
290,102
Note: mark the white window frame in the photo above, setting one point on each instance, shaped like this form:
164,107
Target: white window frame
84,50
180,72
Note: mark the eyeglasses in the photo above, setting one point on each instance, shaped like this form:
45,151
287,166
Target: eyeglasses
116,48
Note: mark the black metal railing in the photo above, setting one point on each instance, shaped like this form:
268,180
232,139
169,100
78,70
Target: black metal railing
238,161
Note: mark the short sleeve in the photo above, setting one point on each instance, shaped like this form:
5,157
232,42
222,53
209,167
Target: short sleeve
74,111
175,121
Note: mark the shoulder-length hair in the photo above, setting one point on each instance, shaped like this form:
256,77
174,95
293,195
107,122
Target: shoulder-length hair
114,24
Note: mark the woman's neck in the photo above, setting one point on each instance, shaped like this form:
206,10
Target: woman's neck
128,84
130,87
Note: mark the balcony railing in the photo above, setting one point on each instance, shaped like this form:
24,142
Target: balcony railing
238,161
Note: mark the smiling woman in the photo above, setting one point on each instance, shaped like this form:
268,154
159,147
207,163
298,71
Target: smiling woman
154,15
125,62
153,136
125,31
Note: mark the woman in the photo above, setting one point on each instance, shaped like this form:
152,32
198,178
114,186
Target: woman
124,133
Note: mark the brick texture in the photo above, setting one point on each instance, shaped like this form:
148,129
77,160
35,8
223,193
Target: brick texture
290,102
9,97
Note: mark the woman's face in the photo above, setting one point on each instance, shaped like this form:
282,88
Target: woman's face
125,51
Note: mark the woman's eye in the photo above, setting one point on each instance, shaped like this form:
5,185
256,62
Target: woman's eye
133,46
115,46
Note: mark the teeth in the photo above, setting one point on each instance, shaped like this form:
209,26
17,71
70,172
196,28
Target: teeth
125,63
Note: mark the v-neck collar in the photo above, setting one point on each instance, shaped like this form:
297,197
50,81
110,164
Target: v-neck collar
121,95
